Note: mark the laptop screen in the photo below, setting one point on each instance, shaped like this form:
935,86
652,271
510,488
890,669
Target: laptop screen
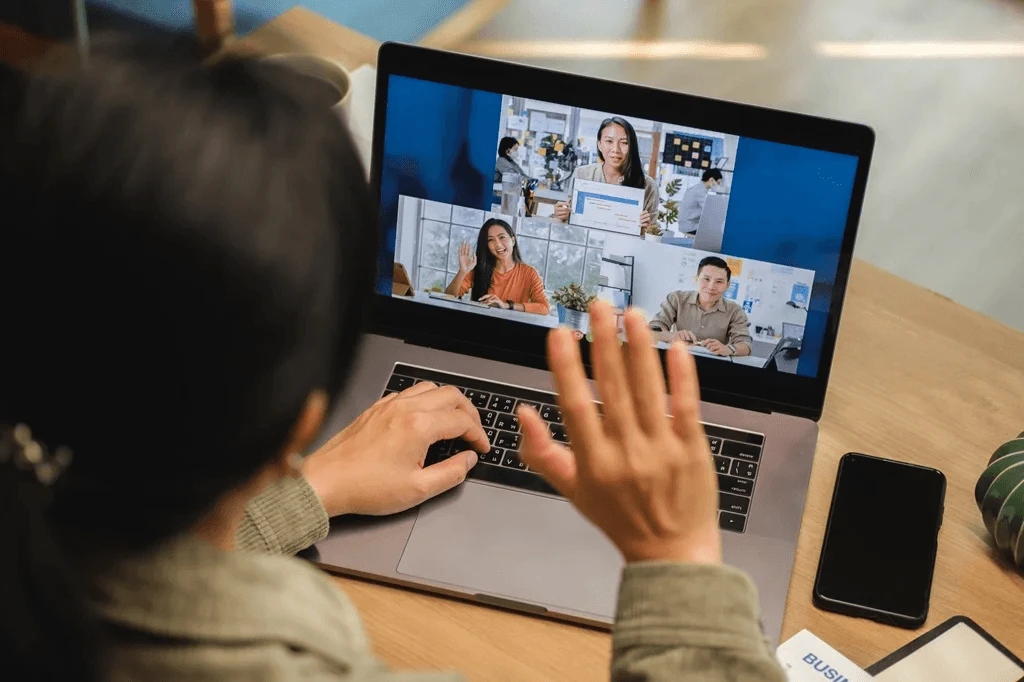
792,331
524,209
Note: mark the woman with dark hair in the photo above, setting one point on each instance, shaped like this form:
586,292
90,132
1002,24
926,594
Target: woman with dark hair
186,262
620,164
505,163
497,274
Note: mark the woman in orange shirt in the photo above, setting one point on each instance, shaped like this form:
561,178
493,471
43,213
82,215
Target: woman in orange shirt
502,279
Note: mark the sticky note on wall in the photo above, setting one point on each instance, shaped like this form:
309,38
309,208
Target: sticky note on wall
735,266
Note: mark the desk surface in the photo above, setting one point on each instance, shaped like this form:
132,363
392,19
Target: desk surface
907,383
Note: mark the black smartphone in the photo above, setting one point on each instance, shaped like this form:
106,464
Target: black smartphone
878,557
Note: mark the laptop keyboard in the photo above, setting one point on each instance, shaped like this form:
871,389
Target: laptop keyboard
737,454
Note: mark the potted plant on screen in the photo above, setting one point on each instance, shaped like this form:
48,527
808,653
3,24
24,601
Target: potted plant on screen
653,233
668,215
573,303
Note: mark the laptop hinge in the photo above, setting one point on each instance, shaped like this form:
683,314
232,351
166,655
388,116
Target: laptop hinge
737,401
540,362
476,350
756,405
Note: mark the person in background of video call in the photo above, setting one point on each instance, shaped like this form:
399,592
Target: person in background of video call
692,204
703,317
497,274
620,164
506,148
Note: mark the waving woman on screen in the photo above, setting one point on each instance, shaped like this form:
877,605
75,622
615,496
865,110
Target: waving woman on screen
497,274
620,164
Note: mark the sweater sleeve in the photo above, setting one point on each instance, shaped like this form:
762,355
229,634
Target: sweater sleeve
285,518
684,622
538,301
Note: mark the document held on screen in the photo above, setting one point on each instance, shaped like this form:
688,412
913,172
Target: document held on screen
606,207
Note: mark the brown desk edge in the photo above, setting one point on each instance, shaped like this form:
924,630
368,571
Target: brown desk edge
916,377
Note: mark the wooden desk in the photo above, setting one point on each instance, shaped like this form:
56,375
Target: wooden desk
916,377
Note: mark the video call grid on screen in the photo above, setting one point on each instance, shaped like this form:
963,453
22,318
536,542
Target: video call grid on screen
775,214
622,270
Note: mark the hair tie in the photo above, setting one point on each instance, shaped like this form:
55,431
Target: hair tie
18,449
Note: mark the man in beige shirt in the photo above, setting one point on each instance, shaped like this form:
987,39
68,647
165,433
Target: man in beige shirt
704,317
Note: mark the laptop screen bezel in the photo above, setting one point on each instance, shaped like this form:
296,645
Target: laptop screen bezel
522,344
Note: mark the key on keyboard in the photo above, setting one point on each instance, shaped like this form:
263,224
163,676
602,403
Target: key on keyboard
507,422
737,454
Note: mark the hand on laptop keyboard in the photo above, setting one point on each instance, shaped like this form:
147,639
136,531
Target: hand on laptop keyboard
375,465
646,480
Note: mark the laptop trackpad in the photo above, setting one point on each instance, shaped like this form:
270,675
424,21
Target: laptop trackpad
514,545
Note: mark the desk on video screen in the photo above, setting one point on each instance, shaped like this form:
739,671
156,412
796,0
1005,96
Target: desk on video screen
756,360
550,321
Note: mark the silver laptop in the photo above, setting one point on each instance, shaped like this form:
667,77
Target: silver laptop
505,537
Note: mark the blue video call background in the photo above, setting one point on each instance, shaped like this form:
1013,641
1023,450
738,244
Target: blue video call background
788,204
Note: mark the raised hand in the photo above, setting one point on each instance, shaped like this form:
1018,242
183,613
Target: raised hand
646,480
467,258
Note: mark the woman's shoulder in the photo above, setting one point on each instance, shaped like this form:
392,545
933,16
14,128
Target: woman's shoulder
223,602
528,271
589,170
